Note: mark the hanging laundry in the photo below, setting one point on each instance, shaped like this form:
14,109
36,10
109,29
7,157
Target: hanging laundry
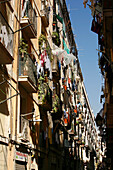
43,57
50,121
69,80
65,121
59,18
59,65
73,87
96,24
40,69
101,42
65,114
24,8
68,117
67,85
48,66
73,100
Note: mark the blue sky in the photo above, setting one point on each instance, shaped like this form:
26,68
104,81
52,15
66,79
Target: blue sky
88,56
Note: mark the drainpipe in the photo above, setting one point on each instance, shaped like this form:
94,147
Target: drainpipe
17,98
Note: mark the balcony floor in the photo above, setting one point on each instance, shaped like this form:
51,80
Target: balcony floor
29,30
27,84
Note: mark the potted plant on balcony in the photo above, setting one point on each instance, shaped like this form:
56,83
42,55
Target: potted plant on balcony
23,47
43,90
55,103
41,41
56,38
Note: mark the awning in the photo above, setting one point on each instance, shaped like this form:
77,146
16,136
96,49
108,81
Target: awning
59,18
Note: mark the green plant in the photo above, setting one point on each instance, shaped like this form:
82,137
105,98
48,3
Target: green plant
83,143
56,38
55,35
48,49
23,47
42,39
76,123
42,88
55,103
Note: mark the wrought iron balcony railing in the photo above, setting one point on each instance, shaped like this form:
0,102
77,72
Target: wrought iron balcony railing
45,14
45,96
28,13
28,68
6,41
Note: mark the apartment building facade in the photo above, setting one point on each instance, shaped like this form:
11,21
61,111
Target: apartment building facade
45,113
102,25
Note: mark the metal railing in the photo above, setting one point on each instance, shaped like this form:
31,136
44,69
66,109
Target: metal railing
29,12
28,68
6,34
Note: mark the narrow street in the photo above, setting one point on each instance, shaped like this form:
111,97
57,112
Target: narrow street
47,121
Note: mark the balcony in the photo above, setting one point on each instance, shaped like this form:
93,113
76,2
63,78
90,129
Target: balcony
56,112
45,99
28,74
45,15
28,17
6,42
